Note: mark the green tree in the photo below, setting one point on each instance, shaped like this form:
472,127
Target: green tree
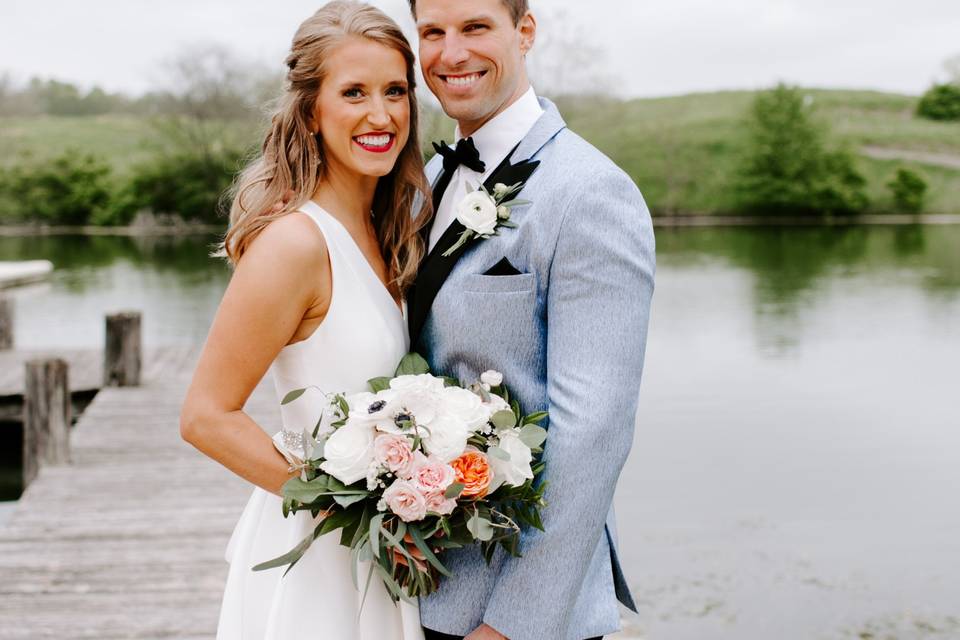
71,189
786,168
909,191
189,185
940,102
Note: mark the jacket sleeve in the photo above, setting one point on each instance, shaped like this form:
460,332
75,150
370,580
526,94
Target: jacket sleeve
598,305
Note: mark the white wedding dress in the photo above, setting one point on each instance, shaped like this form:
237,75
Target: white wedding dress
363,336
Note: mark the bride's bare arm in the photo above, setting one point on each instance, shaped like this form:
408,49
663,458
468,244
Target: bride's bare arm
280,286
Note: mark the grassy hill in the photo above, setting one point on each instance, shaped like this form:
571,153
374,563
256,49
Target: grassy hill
680,150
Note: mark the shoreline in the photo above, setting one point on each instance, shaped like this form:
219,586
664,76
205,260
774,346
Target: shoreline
666,221
698,220
128,231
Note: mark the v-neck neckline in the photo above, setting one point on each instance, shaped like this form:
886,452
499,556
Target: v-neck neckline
373,273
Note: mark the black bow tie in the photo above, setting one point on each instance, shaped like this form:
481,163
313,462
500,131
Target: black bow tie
465,153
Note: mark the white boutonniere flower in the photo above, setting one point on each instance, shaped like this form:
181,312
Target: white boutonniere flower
483,212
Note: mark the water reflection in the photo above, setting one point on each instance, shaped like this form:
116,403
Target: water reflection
173,280
791,267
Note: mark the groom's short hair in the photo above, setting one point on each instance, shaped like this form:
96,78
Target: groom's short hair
517,8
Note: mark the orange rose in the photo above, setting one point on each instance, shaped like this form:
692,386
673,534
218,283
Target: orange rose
473,471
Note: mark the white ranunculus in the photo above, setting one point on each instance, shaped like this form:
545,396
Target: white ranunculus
478,212
492,378
349,452
516,470
377,409
420,395
421,382
496,403
465,406
447,438
360,401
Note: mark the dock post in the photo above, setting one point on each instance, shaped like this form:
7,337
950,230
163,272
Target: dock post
6,323
46,416
122,354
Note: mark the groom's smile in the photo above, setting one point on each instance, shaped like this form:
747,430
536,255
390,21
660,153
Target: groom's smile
463,80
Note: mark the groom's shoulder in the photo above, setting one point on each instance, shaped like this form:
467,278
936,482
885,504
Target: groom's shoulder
571,165
582,164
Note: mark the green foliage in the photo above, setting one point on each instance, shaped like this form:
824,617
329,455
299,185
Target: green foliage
185,184
940,102
71,189
909,191
786,168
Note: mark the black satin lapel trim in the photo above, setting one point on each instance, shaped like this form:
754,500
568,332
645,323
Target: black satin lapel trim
436,267
512,174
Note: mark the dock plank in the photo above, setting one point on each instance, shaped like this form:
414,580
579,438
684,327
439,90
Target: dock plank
13,274
128,540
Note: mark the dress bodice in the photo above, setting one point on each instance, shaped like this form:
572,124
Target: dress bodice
363,335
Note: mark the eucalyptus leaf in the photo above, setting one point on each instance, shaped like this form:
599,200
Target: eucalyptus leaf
412,364
342,404
498,453
453,491
366,588
376,525
290,557
425,549
480,528
379,384
533,435
345,500
305,492
535,418
293,395
504,419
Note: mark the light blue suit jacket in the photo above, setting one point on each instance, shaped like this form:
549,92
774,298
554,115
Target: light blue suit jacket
568,333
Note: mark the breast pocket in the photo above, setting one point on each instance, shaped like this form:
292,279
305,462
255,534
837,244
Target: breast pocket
519,283
501,313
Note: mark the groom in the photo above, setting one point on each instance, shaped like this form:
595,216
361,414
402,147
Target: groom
559,304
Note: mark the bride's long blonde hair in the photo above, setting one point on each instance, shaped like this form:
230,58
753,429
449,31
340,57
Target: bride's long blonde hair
292,159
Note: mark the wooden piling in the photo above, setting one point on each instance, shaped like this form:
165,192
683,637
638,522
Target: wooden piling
122,353
46,416
6,323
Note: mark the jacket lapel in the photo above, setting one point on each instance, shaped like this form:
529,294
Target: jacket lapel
435,267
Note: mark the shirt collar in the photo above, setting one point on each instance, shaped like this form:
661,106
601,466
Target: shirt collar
500,134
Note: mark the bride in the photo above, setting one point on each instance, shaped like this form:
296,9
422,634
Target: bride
316,295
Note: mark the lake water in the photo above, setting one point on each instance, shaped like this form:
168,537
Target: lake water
796,466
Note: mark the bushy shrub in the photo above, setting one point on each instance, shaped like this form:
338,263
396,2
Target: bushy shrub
786,168
909,191
71,189
184,184
940,102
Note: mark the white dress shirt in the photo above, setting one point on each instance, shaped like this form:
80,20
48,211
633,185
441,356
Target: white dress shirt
494,140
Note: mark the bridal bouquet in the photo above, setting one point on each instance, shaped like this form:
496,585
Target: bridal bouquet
415,466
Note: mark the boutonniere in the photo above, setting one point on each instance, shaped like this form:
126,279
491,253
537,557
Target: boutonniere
483,212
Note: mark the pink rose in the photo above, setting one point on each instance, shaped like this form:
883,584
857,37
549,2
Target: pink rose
394,453
438,504
406,501
430,475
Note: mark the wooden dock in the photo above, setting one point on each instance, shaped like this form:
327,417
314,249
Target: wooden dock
13,274
127,541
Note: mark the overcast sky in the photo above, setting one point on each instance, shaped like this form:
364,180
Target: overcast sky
638,47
